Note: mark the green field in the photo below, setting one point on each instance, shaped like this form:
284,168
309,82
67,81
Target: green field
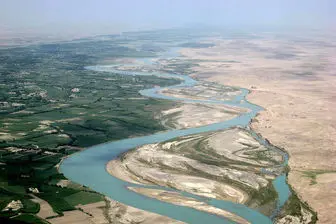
29,218
84,198
43,119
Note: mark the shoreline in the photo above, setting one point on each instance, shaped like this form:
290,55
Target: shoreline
110,165
251,215
250,124
299,109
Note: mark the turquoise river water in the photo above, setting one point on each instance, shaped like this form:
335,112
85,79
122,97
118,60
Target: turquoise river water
88,167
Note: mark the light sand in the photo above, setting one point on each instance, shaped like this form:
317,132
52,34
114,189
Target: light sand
122,214
110,211
188,164
149,164
73,217
96,210
45,208
196,115
178,199
295,81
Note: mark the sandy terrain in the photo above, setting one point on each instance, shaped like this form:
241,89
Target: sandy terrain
294,79
203,91
224,165
89,214
189,183
45,209
96,210
110,211
74,217
178,199
231,142
195,115
123,214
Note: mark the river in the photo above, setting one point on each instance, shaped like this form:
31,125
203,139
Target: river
88,167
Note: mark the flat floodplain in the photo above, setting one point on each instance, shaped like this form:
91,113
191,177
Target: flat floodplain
56,102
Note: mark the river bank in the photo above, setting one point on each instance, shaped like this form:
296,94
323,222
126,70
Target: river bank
232,199
223,165
299,109
206,92
95,176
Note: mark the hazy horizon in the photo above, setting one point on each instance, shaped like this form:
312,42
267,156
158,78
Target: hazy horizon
88,17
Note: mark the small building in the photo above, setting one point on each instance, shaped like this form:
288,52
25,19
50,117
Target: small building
75,90
34,190
13,206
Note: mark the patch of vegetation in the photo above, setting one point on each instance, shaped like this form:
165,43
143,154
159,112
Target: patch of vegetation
83,198
264,195
263,199
30,207
29,218
312,174
293,207
16,189
56,197
51,107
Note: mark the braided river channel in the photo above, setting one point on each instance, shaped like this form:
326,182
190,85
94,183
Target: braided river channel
88,167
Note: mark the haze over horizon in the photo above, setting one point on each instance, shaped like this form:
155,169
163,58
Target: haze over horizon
168,111
88,17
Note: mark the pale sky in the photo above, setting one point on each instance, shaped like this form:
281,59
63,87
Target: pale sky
111,16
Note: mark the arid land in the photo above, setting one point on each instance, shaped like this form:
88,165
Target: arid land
293,78
225,165
103,212
188,115
279,95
